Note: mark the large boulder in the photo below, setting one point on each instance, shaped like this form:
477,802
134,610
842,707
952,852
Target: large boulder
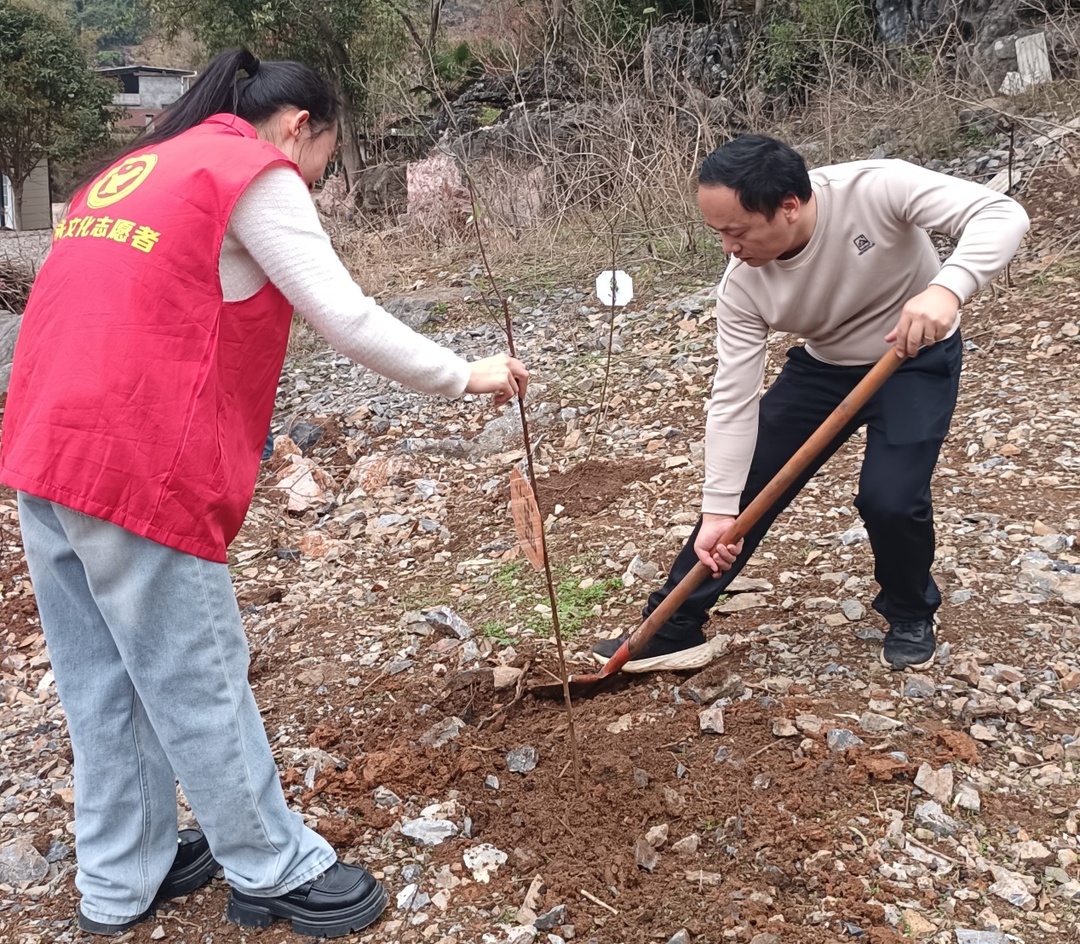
382,190
706,59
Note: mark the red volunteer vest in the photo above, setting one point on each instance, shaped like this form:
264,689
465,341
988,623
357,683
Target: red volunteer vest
137,394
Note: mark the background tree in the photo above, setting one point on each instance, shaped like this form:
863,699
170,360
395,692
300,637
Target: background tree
110,24
328,35
52,105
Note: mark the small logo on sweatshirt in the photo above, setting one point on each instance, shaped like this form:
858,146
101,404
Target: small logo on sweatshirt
862,243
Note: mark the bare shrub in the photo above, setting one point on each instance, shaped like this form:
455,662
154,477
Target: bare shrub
559,177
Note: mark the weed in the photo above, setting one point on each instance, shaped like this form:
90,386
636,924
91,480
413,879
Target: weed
488,116
496,632
576,603
506,578
1049,279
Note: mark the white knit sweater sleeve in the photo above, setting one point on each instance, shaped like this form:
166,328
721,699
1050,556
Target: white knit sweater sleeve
276,223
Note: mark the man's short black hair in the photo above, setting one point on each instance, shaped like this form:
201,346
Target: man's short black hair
761,170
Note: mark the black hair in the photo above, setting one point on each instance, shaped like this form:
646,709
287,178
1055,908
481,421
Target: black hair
761,170
237,83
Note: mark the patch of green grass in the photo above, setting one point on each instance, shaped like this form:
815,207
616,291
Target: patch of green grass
506,577
1059,272
527,588
576,603
496,632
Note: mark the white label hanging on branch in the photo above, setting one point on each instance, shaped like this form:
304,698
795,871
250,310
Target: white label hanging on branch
614,287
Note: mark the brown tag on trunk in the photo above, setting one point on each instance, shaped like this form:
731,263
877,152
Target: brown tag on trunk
527,523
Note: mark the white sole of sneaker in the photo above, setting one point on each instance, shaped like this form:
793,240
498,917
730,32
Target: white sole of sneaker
694,658
915,665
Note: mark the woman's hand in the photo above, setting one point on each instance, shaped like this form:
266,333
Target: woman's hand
502,375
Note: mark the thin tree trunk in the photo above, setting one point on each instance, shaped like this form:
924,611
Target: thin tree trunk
353,156
17,195
562,13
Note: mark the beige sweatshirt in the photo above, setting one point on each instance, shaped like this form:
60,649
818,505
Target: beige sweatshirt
844,291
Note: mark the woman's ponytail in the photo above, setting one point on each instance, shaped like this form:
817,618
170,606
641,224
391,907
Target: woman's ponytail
236,82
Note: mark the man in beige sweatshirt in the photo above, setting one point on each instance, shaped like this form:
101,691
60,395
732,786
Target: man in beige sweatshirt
840,257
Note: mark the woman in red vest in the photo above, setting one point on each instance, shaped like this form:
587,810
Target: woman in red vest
142,387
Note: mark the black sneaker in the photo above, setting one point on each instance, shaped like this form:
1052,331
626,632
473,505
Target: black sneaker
909,645
691,651
192,868
344,898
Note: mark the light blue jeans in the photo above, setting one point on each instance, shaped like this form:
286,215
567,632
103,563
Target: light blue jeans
151,662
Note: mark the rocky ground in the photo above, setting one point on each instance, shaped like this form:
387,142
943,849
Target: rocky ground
794,791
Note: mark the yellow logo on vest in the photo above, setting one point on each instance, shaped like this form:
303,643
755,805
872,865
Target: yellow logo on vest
120,181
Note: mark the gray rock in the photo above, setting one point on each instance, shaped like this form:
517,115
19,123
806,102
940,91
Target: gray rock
1052,543
873,723
711,721
960,596
521,760
551,919
445,619
854,536
391,521
442,733
731,687
1012,888
470,652
491,782
930,815
1032,853
784,727
967,798
919,686
640,569
935,783
429,832
687,846
696,303
969,936
386,798
415,312
657,835
305,435
645,855
410,898
57,851
504,432
682,936
1070,891
853,610
21,862
841,739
